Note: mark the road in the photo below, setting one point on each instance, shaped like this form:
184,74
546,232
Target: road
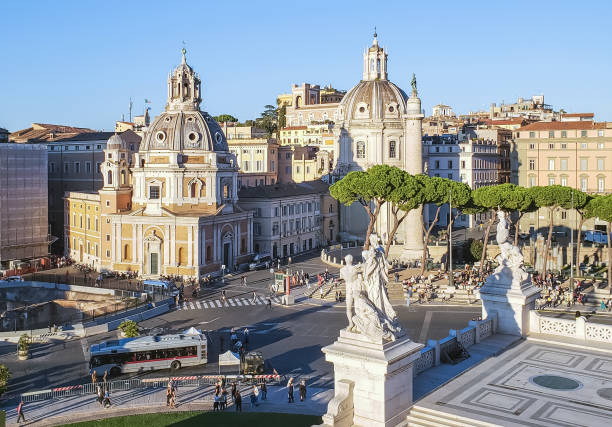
290,338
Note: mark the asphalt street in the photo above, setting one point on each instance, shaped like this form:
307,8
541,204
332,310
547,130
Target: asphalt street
290,338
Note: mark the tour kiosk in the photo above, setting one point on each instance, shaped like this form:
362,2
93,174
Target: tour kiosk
282,282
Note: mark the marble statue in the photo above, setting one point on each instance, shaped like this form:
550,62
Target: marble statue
368,308
510,260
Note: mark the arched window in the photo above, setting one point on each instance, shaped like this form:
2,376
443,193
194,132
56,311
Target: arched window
361,150
193,189
371,65
109,177
392,149
378,65
123,178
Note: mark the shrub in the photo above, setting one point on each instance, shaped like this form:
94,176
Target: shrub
24,342
4,377
476,249
129,328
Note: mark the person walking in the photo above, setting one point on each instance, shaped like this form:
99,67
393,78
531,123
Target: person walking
244,281
20,415
94,377
216,402
269,303
290,390
254,300
100,395
264,391
254,396
105,375
107,402
172,398
233,390
168,394
302,390
238,401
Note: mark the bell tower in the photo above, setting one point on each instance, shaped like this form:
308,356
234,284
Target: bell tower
116,194
375,61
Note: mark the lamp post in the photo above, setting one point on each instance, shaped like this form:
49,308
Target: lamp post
571,283
450,238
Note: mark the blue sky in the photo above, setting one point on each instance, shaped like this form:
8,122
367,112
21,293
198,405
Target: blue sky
79,62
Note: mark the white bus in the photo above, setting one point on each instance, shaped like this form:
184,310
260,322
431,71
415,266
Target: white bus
148,353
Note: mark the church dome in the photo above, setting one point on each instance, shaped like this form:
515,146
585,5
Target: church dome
374,100
115,142
182,126
374,97
184,131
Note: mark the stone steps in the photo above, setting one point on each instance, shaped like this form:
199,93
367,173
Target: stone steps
422,416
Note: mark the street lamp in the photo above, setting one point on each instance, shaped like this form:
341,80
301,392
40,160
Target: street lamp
572,247
450,238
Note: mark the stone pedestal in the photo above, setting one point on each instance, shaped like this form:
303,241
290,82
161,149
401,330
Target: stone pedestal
512,300
288,299
373,380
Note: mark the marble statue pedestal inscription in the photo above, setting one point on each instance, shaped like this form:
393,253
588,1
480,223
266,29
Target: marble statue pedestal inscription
509,290
377,375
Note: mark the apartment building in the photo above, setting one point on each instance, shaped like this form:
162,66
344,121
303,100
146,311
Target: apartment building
257,159
288,219
309,103
23,202
576,154
320,134
303,163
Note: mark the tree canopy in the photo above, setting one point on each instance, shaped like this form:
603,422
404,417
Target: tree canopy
225,118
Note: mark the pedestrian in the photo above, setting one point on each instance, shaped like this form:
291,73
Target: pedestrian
264,391
94,377
233,389
105,375
168,394
238,401
223,296
107,402
254,297
602,306
290,390
246,336
100,395
269,303
223,400
172,398
397,277
254,396
408,295
244,281
302,390
216,402
20,415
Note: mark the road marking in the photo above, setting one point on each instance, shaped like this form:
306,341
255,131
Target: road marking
238,301
225,303
206,304
231,301
218,303
191,306
208,321
425,328
198,304
245,302
276,300
185,306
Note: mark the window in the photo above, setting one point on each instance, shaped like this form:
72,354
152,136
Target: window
583,133
275,229
361,150
600,145
437,163
563,164
563,214
563,134
96,225
450,164
98,166
276,211
551,164
532,146
288,170
551,146
551,180
392,149
450,176
208,253
66,167
564,181
285,210
583,164
258,165
154,192
531,164
600,164
257,212
51,166
462,164
531,134
245,165
563,145
297,169
583,145
272,166
600,185
108,237
532,181
107,253
551,133
583,184
257,229
109,177
88,167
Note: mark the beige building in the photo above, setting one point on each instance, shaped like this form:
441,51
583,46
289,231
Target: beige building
309,103
291,218
576,154
257,159
320,134
303,163
23,202
173,209
533,108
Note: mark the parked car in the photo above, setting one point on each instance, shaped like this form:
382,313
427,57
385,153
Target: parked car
14,279
260,262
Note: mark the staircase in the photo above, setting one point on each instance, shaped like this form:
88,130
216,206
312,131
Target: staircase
421,416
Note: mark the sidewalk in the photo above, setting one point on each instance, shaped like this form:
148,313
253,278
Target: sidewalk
151,400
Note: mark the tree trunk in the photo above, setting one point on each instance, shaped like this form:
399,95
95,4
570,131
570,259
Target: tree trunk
426,239
548,239
516,228
396,224
485,243
578,241
373,217
609,278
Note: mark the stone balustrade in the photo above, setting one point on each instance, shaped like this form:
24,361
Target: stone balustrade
579,328
476,331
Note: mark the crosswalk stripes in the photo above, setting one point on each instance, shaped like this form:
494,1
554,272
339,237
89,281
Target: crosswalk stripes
229,302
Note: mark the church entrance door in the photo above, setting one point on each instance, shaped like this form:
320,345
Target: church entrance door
154,263
227,253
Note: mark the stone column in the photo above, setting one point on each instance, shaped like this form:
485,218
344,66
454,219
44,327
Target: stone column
373,380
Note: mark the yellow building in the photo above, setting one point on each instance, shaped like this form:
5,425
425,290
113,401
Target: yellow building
173,209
